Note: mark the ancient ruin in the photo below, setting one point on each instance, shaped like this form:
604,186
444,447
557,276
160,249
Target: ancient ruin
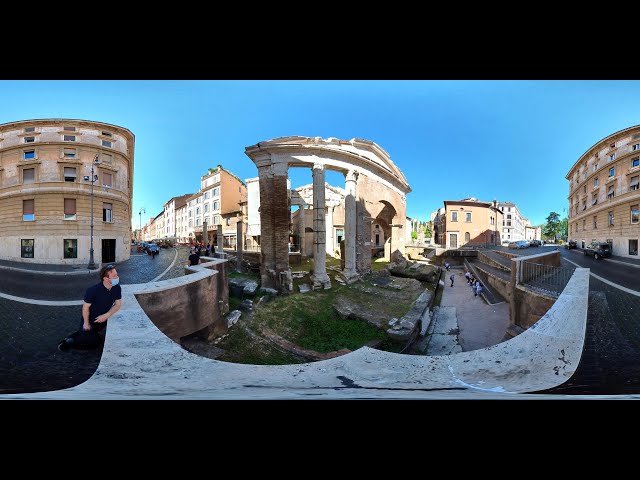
375,204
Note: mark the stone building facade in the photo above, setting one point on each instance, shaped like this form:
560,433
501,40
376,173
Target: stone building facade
604,193
46,191
471,223
375,195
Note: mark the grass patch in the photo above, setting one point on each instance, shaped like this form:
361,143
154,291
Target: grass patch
329,333
378,264
240,347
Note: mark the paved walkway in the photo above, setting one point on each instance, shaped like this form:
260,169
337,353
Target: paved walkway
465,322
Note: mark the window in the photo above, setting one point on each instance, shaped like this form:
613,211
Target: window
107,134
29,129
69,174
454,216
491,221
206,195
596,182
198,222
216,205
27,210
106,158
70,248
197,210
584,189
215,192
70,209
595,222
612,172
633,184
69,153
610,192
467,217
636,146
610,218
107,179
595,167
69,129
29,154
228,221
612,157
191,223
69,138
26,248
635,214
107,212
633,247
594,200
29,139
508,223
584,225
635,162
206,207
509,216
28,175
190,212
106,143
508,209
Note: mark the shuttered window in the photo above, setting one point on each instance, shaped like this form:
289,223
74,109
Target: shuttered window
107,179
29,175
27,210
69,208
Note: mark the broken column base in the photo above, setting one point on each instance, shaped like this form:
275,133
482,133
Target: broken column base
350,276
321,282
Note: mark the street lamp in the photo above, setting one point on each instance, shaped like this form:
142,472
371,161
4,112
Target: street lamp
94,177
142,210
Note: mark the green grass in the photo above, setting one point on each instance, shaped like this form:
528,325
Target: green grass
240,347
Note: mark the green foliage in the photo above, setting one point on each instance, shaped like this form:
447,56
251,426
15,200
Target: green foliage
427,232
551,229
414,235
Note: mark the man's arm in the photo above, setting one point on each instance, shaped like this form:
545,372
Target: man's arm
114,308
85,315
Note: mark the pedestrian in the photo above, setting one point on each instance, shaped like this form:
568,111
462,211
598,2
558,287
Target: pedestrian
478,289
446,265
194,258
451,278
154,250
467,276
101,301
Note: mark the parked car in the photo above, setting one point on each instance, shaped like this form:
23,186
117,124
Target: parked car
535,243
598,249
571,244
152,247
513,245
522,244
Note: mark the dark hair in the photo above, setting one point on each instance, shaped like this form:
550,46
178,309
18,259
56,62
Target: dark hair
104,270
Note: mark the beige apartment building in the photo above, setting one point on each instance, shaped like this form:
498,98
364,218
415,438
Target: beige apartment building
47,170
471,223
604,193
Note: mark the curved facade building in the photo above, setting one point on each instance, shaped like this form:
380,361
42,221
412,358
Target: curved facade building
45,191
604,194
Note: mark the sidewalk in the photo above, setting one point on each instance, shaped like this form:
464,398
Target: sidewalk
478,325
45,268
615,258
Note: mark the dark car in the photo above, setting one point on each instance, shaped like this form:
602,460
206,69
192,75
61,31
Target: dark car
571,244
598,249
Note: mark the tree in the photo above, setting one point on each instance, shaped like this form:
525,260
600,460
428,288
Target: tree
414,236
427,232
551,229
564,228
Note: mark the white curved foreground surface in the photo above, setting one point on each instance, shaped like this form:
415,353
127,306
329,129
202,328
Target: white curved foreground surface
139,361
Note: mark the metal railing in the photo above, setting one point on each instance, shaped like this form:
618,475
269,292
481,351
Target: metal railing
547,279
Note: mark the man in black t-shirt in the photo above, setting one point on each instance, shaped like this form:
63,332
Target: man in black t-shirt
101,301
194,258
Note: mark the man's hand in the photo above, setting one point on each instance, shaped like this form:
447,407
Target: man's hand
86,327
101,318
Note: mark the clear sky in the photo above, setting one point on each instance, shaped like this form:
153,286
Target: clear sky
506,140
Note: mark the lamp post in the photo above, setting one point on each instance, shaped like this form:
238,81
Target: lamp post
92,265
142,210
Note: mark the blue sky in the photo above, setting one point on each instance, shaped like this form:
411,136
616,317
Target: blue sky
509,140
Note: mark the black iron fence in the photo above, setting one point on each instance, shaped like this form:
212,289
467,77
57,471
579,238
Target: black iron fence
547,279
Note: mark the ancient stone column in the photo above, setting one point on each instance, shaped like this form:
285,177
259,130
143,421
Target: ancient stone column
220,240
239,245
301,225
320,277
205,237
350,271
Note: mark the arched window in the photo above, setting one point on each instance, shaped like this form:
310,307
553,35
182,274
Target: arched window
467,237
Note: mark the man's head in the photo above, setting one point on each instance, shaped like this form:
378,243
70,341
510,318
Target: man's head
108,273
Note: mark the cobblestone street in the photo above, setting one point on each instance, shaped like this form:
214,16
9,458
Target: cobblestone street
29,333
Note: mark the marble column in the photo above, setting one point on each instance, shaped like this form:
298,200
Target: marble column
205,237
220,240
301,226
350,272
320,277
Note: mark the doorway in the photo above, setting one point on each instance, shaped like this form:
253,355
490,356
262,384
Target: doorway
108,250
453,240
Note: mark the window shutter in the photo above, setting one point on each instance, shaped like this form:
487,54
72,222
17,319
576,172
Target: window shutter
69,206
107,206
107,179
29,175
27,207
69,172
